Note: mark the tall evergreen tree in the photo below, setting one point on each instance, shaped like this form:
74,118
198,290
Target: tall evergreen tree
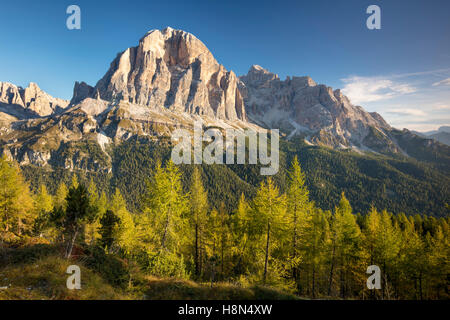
126,232
162,228
198,218
346,242
299,210
78,212
166,206
109,226
59,199
16,204
219,241
91,233
240,223
269,218
43,204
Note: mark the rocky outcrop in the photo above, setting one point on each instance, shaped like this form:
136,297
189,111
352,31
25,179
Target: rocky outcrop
29,102
81,91
10,94
173,69
298,105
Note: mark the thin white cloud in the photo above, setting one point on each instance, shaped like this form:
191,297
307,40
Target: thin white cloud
445,82
407,112
437,72
417,101
370,89
441,107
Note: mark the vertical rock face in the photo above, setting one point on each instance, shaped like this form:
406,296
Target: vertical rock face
28,102
173,69
9,94
299,105
40,102
81,91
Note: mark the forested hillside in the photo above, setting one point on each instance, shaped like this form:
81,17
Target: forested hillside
399,184
276,238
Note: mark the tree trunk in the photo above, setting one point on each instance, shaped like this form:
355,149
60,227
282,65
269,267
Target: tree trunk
314,282
238,265
294,249
213,271
5,209
71,243
267,253
196,251
420,285
19,227
222,249
163,240
330,282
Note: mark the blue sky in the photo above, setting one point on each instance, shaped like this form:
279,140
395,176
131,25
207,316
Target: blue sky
402,71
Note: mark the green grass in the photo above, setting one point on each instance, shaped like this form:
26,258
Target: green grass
46,279
174,289
38,272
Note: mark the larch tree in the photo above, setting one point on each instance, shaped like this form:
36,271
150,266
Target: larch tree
315,247
299,210
218,240
43,204
125,236
108,230
346,251
74,182
163,225
16,203
59,199
411,258
240,226
198,218
387,246
91,233
78,212
439,265
269,217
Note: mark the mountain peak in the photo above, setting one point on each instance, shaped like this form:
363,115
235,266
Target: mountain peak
28,102
258,75
173,69
168,32
299,106
258,68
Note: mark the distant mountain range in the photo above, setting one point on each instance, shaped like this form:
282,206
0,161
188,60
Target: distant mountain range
169,80
442,135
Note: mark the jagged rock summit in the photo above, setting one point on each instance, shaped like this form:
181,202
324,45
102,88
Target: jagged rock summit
298,105
29,102
172,69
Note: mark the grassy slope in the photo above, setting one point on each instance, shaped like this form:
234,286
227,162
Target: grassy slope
39,272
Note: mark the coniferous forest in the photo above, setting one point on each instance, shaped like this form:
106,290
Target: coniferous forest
173,242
